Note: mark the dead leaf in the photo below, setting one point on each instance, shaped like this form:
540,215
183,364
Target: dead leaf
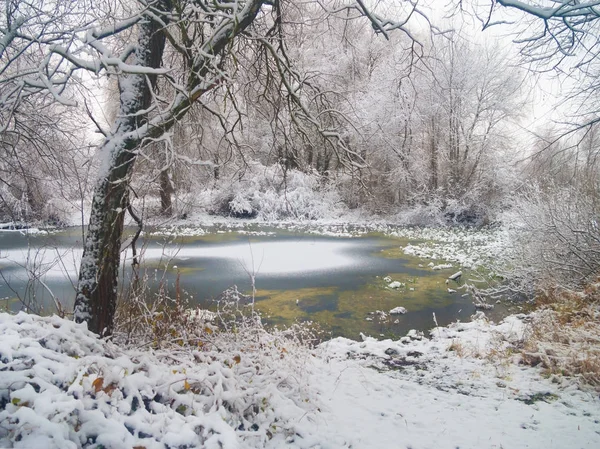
97,384
237,359
109,389
186,385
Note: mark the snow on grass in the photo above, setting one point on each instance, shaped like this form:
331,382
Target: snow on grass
461,388
61,387
469,248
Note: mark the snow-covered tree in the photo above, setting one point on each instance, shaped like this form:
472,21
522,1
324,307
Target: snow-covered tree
175,52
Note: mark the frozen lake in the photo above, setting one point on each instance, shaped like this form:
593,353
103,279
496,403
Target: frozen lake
336,281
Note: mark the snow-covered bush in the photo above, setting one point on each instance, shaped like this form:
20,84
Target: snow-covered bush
271,193
558,233
467,211
13,208
430,214
473,208
61,387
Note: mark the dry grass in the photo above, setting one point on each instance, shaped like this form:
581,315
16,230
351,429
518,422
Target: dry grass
159,317
564,335
154,316
458,347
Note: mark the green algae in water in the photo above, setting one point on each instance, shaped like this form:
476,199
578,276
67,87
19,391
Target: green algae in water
350,312
288,306
342,303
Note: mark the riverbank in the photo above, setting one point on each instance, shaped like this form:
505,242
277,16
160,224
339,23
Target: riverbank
461,386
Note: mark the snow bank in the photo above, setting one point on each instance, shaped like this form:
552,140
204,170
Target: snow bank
467,247
462,387
60,387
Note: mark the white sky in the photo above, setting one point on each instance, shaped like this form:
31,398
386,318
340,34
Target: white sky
545,92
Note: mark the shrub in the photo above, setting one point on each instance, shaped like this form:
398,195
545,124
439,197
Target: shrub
271,194
558,238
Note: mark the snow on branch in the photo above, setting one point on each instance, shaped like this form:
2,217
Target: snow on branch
564,29
563,9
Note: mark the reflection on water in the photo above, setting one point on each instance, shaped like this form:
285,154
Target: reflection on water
336,281
270,258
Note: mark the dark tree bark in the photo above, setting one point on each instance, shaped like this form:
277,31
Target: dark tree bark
166,190
433,156
96,299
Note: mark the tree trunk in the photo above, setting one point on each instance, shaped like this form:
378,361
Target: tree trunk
166,190
96,299
433,158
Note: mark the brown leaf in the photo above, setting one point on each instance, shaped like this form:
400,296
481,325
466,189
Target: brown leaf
97,384
109,389
237,359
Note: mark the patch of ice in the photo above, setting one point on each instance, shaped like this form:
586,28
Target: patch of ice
442,266
398,311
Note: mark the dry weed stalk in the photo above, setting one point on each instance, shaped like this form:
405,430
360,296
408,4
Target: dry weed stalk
158,318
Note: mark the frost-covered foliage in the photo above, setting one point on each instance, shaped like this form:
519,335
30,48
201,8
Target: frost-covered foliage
44,167
270,193
430,214
63,388
477,207
356,122
557,233
427,149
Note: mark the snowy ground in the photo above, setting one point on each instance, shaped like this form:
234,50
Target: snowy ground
463,387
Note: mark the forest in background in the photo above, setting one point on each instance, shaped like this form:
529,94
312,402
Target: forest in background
429,130
116,112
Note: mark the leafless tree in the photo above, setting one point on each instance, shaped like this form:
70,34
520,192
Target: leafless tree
201,38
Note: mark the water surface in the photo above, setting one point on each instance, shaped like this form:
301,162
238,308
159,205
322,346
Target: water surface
336,281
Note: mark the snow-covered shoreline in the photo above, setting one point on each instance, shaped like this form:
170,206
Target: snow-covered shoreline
469,247
460,386
463,387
